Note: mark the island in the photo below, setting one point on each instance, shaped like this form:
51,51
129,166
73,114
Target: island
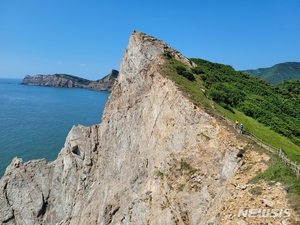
70,81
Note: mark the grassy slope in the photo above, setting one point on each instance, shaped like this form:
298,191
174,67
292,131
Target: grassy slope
196,91
265,133
277,171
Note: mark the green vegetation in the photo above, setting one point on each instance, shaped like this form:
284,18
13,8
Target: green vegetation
74,78
265,133
114,74
252,96
167,54
160,174
194,89
182,70
290,89
256,190
184,165
237,91
268,111
278,73
279,172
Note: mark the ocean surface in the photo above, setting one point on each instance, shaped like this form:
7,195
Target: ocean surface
35,121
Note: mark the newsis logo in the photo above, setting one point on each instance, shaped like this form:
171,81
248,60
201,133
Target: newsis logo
264,213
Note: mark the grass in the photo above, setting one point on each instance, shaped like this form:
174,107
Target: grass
264,133
185,166
205,136
277,171
256,190
160,174
195,91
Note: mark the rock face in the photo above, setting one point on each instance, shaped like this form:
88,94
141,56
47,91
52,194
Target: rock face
69,81
104,84
155,159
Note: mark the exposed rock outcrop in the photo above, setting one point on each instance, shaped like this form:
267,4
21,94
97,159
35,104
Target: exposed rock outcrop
69,81
156,158
104,84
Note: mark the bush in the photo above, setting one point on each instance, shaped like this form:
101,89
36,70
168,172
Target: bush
224,93
180,70
184,165
197,70
167,54
189,76
256,190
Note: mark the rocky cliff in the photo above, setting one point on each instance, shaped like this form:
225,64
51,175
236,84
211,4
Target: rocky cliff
104,84
69,81
156,158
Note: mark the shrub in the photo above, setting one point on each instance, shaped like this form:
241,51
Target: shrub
256,190
167,54
189,76
197,70
180,70
184,165
160,174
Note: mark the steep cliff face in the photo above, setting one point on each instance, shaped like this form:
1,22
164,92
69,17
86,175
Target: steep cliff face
155,159
69,81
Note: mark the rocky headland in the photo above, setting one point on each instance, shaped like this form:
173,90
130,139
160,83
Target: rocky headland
156,158
70,81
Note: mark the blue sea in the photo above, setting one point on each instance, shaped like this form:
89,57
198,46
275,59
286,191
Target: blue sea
35,121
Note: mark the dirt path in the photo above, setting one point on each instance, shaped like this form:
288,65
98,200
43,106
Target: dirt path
261,203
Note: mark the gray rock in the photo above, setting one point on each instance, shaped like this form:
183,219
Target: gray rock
242,222
268,203
105,174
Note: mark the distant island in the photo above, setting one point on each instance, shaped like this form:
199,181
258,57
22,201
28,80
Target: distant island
277,73
70,81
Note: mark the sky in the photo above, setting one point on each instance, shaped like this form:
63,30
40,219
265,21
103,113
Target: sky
87,38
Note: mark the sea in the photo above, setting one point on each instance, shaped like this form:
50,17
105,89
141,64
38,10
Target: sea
35,120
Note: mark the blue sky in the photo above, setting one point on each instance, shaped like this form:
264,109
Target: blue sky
88,38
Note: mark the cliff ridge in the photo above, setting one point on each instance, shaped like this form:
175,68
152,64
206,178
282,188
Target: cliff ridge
156,158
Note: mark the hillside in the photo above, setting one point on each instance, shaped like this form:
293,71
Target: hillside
290,89
274,106
161,155
277,73
70,81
